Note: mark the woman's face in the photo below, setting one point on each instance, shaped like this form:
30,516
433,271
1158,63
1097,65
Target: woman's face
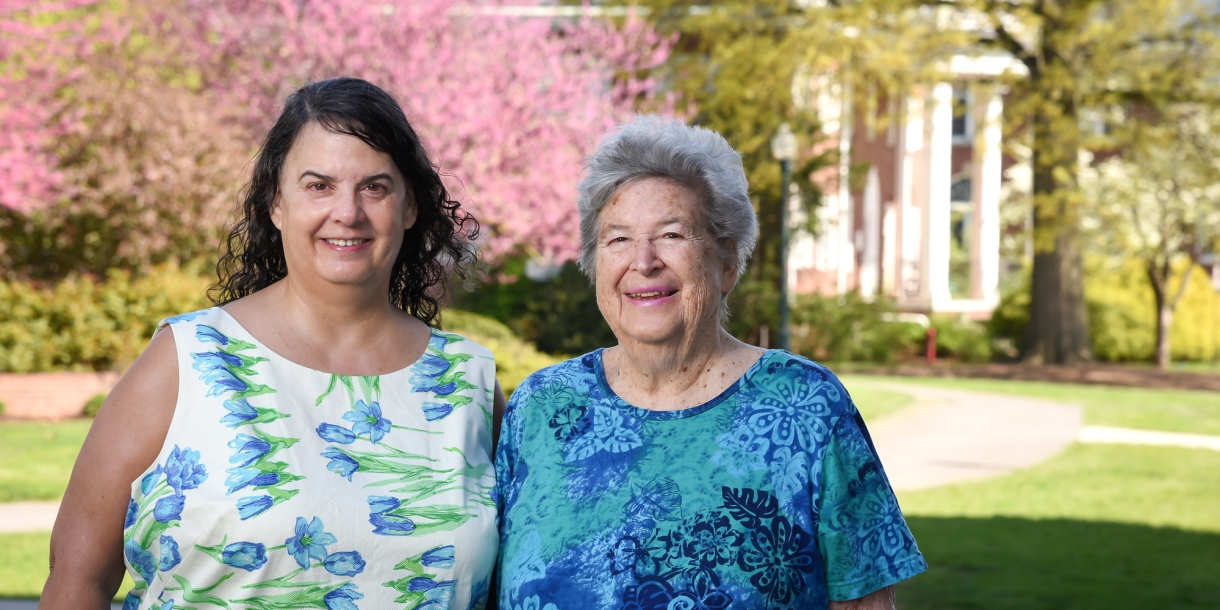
658,278
341,209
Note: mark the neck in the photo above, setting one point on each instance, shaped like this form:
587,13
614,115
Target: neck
335,312
668,369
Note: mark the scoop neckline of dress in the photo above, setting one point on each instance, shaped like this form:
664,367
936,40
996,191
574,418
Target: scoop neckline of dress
281,358
599,370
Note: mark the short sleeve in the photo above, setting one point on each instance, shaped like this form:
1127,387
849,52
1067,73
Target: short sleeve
507,452
864,540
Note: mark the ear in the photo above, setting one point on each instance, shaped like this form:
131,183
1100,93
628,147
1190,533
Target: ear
276,212
410,211
728,278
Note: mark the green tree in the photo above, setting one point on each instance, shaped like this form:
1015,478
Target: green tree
1159,203
1087,60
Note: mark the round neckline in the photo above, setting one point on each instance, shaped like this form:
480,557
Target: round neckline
599,371
280,358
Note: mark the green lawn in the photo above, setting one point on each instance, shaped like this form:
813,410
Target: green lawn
875,403
1172,410
23,558
36,458
1096,527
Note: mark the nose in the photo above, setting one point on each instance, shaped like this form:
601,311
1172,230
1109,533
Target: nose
349,209
645,260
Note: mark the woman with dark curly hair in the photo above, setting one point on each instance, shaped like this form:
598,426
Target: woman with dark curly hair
313,440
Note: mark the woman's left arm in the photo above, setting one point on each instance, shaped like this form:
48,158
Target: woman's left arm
881,599
498,403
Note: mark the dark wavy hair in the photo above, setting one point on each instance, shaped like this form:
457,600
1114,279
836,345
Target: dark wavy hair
438,244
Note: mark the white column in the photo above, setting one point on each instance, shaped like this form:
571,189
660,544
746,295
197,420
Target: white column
985,182
870,261
907,249
936,235
889,249
846,224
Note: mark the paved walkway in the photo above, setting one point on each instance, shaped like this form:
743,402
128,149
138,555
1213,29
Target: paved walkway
950,436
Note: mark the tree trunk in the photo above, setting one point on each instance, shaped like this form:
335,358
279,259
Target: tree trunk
1058,328
1165,307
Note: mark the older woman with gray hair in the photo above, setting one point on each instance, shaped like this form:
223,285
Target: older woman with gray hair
683,468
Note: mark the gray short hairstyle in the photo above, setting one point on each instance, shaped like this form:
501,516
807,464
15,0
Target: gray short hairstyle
700,159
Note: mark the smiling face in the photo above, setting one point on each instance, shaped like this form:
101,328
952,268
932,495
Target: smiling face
658,278
341,209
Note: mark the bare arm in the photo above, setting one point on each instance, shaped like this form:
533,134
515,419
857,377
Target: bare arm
87,541
498,404
881,599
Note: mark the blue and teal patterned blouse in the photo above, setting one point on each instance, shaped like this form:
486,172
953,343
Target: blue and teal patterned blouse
768,496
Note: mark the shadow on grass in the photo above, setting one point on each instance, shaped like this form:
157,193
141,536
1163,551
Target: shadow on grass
1003,563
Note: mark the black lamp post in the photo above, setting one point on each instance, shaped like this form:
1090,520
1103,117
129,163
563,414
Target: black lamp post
783,147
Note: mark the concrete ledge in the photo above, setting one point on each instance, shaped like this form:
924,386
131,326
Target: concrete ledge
51,395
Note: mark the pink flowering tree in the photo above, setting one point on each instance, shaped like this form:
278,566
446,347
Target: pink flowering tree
508,106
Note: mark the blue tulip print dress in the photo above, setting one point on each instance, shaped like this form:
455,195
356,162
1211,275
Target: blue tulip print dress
770,495
279,486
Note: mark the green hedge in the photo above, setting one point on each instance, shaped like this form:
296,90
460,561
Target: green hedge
85,324
1122,315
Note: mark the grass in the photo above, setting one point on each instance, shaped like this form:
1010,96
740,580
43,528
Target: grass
1193,411
875,403
24,561
1095,527
37,458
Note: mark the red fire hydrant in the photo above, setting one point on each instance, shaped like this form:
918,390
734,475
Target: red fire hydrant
930,346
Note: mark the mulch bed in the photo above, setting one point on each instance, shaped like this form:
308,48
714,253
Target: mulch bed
1095,374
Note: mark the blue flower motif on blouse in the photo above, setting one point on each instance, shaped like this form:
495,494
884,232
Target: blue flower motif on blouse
140,559
254,505
792,410
150,481
366,418
309,542
336,434
133,509
341,463
609,433
183,470
170,556
346,563
249,450
741,451
169,605
387,524
240,412
216,375
428,371
441,557
778,556
206,361
436,410
131,602
186,317
343,598
240,478
169,508
207,334
248,556
712,541
437,593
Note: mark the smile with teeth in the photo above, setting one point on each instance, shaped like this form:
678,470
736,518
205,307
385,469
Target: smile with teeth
655,294
346,242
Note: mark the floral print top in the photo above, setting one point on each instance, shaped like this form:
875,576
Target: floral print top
279,486
769,496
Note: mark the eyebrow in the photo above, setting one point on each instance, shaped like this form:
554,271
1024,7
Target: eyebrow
667,221
366,179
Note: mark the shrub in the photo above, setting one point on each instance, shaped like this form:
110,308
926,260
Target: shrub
965,340
3,408
559,316
85,324
93,405
848,328
515,358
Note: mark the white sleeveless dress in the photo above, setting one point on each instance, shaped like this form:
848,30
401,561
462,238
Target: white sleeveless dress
280,486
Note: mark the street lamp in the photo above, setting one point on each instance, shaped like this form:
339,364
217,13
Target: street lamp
783,147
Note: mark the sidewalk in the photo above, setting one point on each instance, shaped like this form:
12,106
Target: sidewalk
952,436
